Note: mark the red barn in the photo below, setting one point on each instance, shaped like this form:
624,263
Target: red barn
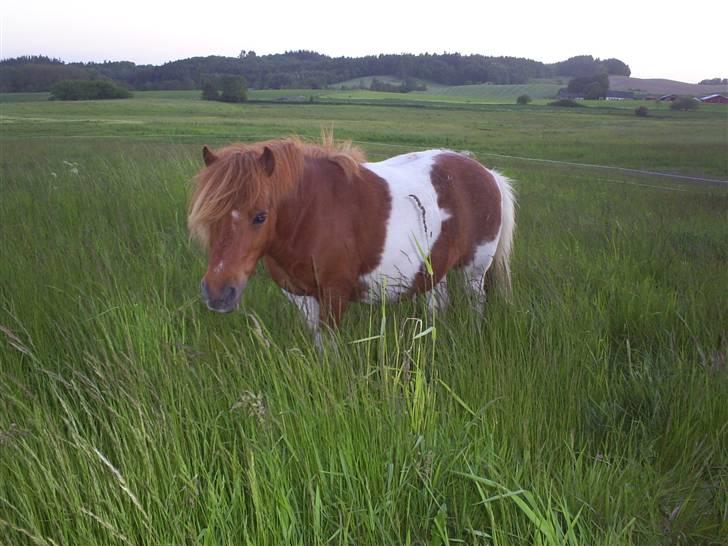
715,99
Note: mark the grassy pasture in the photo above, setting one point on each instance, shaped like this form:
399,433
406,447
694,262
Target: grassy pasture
366,81
484,92
589,411
507,93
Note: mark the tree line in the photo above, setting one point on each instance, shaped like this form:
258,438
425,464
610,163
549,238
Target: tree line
298,69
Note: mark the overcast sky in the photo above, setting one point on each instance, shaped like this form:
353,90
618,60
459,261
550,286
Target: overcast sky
677,40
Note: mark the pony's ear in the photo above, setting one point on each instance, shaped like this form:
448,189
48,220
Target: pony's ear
268,160
207,155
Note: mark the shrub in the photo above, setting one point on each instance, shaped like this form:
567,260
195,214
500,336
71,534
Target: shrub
225,89
565,102
592,87
523,99
641,111
233,89
595,91
684,104
88,90
210,92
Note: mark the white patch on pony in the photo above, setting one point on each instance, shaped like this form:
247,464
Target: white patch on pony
438,298
235,215
309,308
414,223
476,269
219,267
484,254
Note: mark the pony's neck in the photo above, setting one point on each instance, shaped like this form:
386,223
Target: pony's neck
290,216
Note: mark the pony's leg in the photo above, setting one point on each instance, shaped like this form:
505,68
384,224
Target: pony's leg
334,301
437,298
475,274
309,308
474,277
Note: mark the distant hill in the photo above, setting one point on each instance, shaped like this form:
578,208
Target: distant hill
300,69
663,87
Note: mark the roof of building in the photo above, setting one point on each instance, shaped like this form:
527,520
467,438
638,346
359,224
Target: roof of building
621,94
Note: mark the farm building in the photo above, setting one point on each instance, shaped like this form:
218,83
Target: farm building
619,95
671,97
564,94
611,95
715,98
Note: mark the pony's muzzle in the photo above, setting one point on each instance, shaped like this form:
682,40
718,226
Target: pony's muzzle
222,300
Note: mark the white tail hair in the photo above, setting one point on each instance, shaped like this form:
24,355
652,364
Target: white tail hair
502,257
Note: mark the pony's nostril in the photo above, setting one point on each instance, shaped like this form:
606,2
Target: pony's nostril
222,299
230,294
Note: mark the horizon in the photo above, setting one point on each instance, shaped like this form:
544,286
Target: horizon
640,36
65,61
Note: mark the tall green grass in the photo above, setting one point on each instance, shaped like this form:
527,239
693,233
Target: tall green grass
589,411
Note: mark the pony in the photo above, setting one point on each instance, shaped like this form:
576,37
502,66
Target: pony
333,228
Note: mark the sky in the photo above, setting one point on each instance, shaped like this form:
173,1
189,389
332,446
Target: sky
676,40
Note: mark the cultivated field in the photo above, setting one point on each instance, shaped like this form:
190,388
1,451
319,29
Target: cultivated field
589,411
658,86
483,91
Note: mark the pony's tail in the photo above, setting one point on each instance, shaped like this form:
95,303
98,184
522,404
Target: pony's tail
502,258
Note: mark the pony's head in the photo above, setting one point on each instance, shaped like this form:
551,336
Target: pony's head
233,211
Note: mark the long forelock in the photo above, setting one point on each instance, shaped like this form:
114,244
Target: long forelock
238,177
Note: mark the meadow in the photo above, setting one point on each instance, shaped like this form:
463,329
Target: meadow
590,410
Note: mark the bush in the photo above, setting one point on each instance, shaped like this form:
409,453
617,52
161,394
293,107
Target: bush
88,90
523,99
225,89
684,104
565,102
592,87
641,111
210,92
595,91
233,89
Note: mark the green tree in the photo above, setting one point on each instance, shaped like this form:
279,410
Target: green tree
684,104
88,90
592,87
233,89
523,99
714,81
615,67
209,91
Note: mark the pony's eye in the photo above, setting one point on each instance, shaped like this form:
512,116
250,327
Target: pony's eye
259,218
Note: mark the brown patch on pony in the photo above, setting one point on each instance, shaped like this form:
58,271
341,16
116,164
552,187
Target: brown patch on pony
240,174
470,193
330,233
343,154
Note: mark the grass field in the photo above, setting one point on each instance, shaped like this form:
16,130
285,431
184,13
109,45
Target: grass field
589,411
480,92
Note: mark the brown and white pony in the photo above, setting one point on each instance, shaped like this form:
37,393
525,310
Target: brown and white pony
333,229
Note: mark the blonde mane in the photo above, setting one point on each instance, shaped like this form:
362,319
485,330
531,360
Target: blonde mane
264,171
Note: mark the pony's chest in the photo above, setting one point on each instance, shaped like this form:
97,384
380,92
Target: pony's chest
413,226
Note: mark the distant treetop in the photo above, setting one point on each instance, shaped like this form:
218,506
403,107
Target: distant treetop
715,81
300,69
30,59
